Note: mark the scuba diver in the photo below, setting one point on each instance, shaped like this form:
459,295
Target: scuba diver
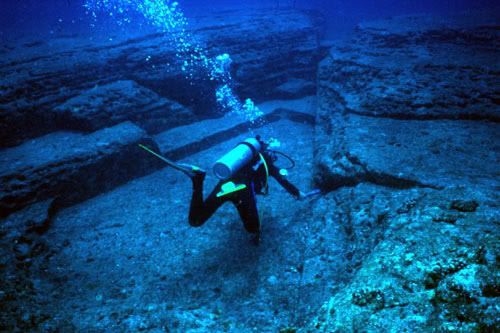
244,173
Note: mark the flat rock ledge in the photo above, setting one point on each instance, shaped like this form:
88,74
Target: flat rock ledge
72,166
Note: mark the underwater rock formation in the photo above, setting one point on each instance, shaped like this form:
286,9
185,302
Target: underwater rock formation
408,111
37,79
72,166
410,101
183,141
134,242
422,274
111,104
404,237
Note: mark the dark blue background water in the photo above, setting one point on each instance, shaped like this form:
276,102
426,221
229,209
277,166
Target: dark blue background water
68,16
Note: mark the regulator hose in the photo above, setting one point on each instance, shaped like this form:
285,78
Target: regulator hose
292,162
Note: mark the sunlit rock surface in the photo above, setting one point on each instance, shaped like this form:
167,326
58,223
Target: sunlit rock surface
432,268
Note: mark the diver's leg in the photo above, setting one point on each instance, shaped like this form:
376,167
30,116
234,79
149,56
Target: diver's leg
246,204
200,211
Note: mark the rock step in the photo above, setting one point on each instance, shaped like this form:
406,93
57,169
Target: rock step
421,67
72,166
117,102
183,141
277,58
410,102
75,166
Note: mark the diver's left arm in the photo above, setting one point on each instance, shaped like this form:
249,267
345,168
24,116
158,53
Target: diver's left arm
289,187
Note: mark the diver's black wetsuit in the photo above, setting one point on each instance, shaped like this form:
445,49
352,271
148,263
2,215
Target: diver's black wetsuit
254,177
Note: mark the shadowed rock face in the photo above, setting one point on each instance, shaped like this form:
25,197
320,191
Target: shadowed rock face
277,47
411,105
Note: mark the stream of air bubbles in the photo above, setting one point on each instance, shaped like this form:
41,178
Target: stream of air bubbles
167,17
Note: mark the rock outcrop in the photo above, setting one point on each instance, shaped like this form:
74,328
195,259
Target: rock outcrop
277,48
125,234
408,112
421,265
404,237
72,166
410,102
67,164
111,104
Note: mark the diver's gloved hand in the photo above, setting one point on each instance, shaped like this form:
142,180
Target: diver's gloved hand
301,196
199,174
309,194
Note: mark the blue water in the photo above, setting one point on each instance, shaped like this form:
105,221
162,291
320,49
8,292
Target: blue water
45,17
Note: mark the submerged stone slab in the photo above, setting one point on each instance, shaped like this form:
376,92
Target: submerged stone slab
436,153
267,50
126,233
418,68
185,140
110,104
72,166
410,102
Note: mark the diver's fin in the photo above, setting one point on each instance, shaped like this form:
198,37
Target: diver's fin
188,169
